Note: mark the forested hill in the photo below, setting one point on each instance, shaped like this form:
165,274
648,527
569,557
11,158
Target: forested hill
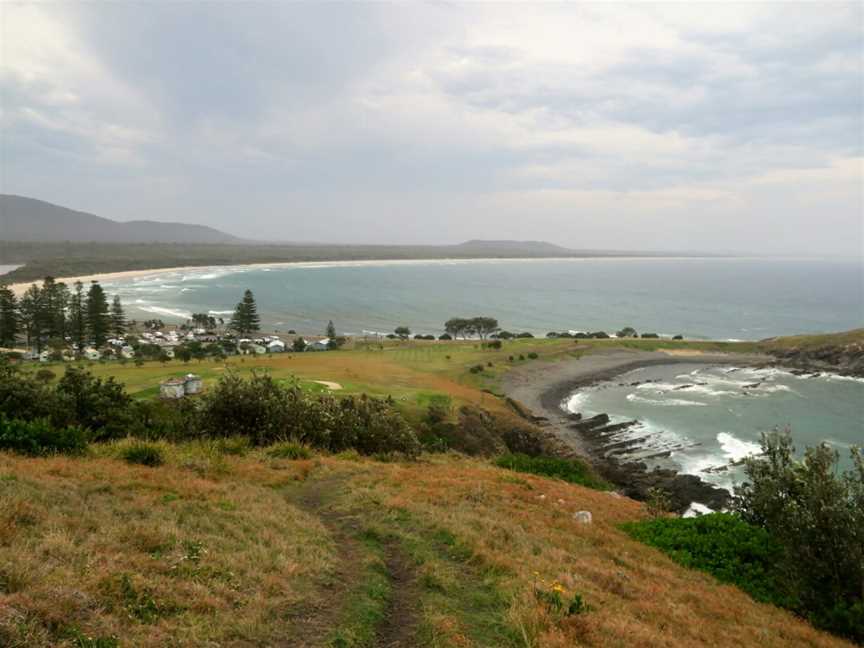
35,221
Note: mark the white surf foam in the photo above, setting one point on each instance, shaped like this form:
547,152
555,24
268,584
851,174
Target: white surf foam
160,310
735,449
666,402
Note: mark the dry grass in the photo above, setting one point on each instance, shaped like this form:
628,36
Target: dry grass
208,550
151,556
523,529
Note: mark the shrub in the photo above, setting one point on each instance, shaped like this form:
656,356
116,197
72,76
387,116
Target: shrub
524,335
40,438
721,544
289,450
265,412
573,471
45,376
532,355
95,403
145,454
494,344
816,515
445,336
476,369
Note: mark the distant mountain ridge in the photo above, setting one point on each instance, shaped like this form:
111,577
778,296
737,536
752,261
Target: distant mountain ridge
514,246
36,221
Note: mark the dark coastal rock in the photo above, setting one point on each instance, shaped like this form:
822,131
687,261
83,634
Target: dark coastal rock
635,480
845,359
591,423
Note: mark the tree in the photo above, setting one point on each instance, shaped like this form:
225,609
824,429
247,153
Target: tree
78,318
484,326
331,330
118,318
402,332
627,332
8,317
28,309
299,344
456,326
245,319
55,301
98,317
817,516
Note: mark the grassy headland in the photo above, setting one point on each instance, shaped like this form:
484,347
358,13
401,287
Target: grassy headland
222,543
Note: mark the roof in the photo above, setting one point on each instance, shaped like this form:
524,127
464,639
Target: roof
174,381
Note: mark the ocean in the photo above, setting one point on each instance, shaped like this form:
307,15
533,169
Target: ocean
741,299
712,416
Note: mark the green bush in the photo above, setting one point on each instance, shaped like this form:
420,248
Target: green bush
265,412
145,454
816,514
289,450
721,544
569,470
532,355
40,437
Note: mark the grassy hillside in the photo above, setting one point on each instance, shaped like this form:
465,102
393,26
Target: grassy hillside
224,546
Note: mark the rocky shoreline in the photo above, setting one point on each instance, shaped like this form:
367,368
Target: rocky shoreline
604,443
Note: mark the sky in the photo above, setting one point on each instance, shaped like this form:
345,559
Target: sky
702,126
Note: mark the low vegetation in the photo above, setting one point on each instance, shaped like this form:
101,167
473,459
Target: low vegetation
574,471
796,538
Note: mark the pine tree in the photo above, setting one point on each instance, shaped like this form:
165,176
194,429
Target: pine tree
331,330
8,317
28,309
78,317
98,318
52,311
246,319
118,318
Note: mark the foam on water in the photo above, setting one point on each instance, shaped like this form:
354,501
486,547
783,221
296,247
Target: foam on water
735,449
667,402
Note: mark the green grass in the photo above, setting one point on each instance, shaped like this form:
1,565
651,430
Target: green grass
365,608
573,471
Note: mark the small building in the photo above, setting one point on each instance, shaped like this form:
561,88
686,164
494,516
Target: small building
173,388
193,384
276,346
92,354
319,345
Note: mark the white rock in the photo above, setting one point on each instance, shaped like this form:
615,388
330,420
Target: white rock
584,517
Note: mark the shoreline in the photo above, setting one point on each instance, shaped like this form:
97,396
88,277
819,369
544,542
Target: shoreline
21,286
541,390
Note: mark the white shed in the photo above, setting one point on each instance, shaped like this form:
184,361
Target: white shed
173,388
193,384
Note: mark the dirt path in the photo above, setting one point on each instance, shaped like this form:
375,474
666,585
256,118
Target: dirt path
317,620
399,628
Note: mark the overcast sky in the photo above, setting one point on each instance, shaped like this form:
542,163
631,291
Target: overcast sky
701,126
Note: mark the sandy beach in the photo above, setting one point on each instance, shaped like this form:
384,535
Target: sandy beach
20,288
542,387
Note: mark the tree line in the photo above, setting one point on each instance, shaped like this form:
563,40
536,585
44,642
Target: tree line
49,315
